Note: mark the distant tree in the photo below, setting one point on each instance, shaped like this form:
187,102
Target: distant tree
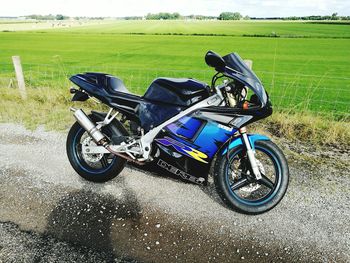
246,18
230,16
133,18
61,17
95,18
334,16
41,17
175,16
163,16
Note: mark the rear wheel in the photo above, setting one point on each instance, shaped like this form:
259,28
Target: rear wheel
237,185
93,167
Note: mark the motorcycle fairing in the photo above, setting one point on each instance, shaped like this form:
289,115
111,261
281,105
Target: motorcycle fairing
236,117
191,142
182,162
204,135
252,139
183,149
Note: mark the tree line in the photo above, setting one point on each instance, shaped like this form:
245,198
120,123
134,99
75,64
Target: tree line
163,16
334,16
177,16
48,17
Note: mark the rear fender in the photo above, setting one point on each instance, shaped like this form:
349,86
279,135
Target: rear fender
80,96
252,139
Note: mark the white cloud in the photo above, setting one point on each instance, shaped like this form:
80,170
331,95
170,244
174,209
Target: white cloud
116,8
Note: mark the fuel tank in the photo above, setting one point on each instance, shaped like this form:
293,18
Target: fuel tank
181,92
166,97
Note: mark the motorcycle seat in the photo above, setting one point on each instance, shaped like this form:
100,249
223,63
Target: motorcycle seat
115,84
111,84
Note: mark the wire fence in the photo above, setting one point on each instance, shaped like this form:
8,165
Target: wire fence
319,94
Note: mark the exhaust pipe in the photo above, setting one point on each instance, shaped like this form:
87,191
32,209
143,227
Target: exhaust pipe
88,125
98,136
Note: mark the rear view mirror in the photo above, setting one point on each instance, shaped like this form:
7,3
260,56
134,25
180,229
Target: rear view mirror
214,60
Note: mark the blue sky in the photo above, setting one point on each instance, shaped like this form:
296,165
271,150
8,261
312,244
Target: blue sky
118,8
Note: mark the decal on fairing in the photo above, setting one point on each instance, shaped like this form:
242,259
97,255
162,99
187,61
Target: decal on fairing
186,127
184,149
182,174
206,136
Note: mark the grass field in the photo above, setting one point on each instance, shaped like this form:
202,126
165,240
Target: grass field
305,69
301,73
191,27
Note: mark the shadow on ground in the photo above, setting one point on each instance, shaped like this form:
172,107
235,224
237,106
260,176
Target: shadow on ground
86,218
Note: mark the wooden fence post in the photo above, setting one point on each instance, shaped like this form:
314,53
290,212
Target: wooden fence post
10,85
19,76
249,63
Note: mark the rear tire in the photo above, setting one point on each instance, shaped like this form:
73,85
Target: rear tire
238,187
103,168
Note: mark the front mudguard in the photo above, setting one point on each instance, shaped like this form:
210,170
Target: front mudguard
238,141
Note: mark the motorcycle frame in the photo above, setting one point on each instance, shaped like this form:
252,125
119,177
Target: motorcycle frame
147,139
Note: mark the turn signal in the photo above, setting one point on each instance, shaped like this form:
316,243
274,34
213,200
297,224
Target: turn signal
245,105
72,90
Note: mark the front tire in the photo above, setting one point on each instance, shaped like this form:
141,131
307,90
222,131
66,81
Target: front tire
94,167
238,187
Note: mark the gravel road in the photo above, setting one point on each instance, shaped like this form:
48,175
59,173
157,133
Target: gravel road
22,246
151,218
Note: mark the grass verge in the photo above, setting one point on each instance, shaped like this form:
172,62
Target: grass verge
50,107
309,128
44,106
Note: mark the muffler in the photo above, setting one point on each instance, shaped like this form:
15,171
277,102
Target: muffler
89,126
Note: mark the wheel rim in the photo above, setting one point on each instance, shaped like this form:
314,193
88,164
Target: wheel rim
97,165
241,182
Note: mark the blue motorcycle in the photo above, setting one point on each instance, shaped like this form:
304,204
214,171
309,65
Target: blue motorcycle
185,127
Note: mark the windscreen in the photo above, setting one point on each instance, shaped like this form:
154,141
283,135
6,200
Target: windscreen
245,75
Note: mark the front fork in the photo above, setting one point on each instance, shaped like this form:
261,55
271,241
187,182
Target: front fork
250,153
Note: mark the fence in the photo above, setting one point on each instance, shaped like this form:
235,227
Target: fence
320,94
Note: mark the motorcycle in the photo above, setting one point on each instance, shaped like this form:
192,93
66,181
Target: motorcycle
185,127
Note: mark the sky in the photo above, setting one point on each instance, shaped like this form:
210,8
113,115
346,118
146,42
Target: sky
121,8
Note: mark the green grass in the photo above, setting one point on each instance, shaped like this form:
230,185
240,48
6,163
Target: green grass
306,70
230,28
30,25
301,73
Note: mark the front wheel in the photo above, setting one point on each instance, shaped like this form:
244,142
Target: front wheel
237,185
